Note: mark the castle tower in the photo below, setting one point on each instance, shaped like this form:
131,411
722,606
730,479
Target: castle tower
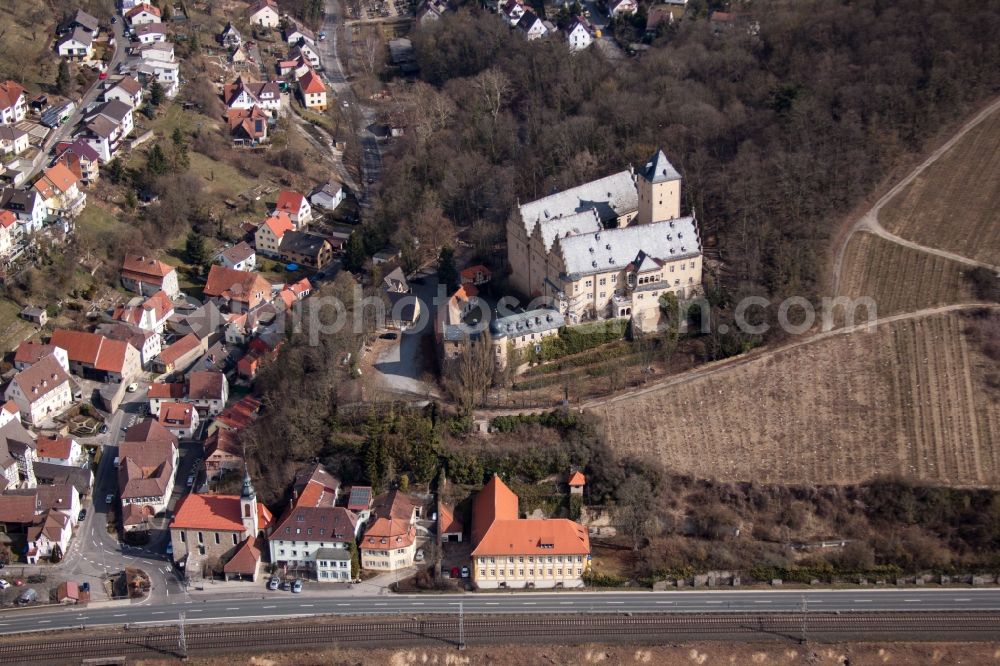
659,187
248,505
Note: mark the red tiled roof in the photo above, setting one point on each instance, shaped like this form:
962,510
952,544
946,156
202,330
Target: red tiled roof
149,430
224,440
557,536
470,272
289,202
92,349
55,447
240,414
147,269
494,502
577,479
17,509
176,414
10,91
41,378
311,83
206,385
7,219
166,391
446,520
184,346
32,352
312,523
241,286
138,9
279,223
246,559
215,512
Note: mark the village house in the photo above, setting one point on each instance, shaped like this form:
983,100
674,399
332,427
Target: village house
142,14
146,471
312,91
267,238
245,94
60,451
236,291
295,206
81,159
58,187
306,52
532,27
449,529
77,45
36,315
295,67
230,37
107,127
578,35
147,343
390,541
248,127
240,257
223,453
305,249
96,357
328,195
49,536
161,392
146,275
208,391
239,415
180,355
150,33
296,33
617,8
431,11
8,229
576,483
179,418
127,90
28,206
477,275
359,502
609,248
12,104
265,14
13,141
41,391
150,314
29,353
18,456
512,11
206,528
404,307
80,19
260,350
513,552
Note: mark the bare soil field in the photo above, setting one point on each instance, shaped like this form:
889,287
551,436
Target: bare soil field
898,278
701,654
907,399
952,205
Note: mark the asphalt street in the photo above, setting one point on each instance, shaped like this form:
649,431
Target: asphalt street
275,605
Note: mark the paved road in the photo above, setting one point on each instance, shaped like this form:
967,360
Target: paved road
273,605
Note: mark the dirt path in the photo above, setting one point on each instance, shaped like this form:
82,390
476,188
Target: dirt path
869,221
716,367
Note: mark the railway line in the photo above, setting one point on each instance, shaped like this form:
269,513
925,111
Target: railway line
166,641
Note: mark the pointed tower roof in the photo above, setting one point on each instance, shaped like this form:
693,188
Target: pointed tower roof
659,169
248,491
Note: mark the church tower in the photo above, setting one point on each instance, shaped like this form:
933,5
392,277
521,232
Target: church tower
248,505
659,187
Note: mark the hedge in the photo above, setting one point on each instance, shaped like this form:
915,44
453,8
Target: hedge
576,339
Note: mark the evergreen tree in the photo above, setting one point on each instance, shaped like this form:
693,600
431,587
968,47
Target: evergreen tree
355,561
354,254
195,250
63,80
156,161
447,273
156,93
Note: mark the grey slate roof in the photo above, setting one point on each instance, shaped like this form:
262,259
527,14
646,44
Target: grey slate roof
611,196
614,249
333,554
659,169
523,323
585,222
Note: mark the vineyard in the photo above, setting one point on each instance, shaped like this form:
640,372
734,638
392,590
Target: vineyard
898,278
952,205
907,399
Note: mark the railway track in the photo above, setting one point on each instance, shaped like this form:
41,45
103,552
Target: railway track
165,641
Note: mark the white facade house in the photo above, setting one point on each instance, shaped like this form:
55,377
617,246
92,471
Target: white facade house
128,90
240,257
143,14
52,529
12,140
77,45
531,26
28,207
150,33
329,195
265,14
41,391
578,36
12,105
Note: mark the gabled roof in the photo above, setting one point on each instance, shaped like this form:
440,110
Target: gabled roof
180,348
150,29
241,413
206,385
92,349
557,536
311,523
7,219
311,83
176,414
146,267
10,92
57,176
17,509
262,5
279,223
610,196
246,559
52,446
225,440
114,110
577,479
235,285
215,512
303,242
30,353
78,147
140,8
614,249
41,378
239,252
149,430
315,486
289,201
79,35
360,498
446,520
166,391
129,84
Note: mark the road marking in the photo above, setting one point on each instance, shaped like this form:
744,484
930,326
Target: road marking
44,621
527,603
665,603
305,605
492,603
565,603
197,610
381,604
267,606
963,599
862,601
120,615
158,613
912,601
417,603
342,604
233,608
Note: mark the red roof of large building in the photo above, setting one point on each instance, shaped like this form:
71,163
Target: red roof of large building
494,502
279,223
246,559
215,512
92,349
180,348
41,378
55,447
149,269
30,353
10,92
289,201
233,285
393,525
145,6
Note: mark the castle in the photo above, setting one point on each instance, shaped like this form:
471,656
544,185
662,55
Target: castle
608,248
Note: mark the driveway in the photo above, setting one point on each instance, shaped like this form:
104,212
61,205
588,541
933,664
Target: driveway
402,363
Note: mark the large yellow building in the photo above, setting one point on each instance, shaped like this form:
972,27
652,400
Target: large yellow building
608,248
511,552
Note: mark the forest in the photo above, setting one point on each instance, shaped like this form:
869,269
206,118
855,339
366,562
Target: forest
779,126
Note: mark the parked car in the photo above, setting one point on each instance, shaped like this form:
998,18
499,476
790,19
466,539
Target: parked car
455,572
274,583
170,549
190,480
4,584
419,556
297,586
18,582
114,19
133,387
109,498
102,76
104,429
82,516
26,597
287,585
465,572
388,336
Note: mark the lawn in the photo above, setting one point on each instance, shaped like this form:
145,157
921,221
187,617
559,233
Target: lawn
13,329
